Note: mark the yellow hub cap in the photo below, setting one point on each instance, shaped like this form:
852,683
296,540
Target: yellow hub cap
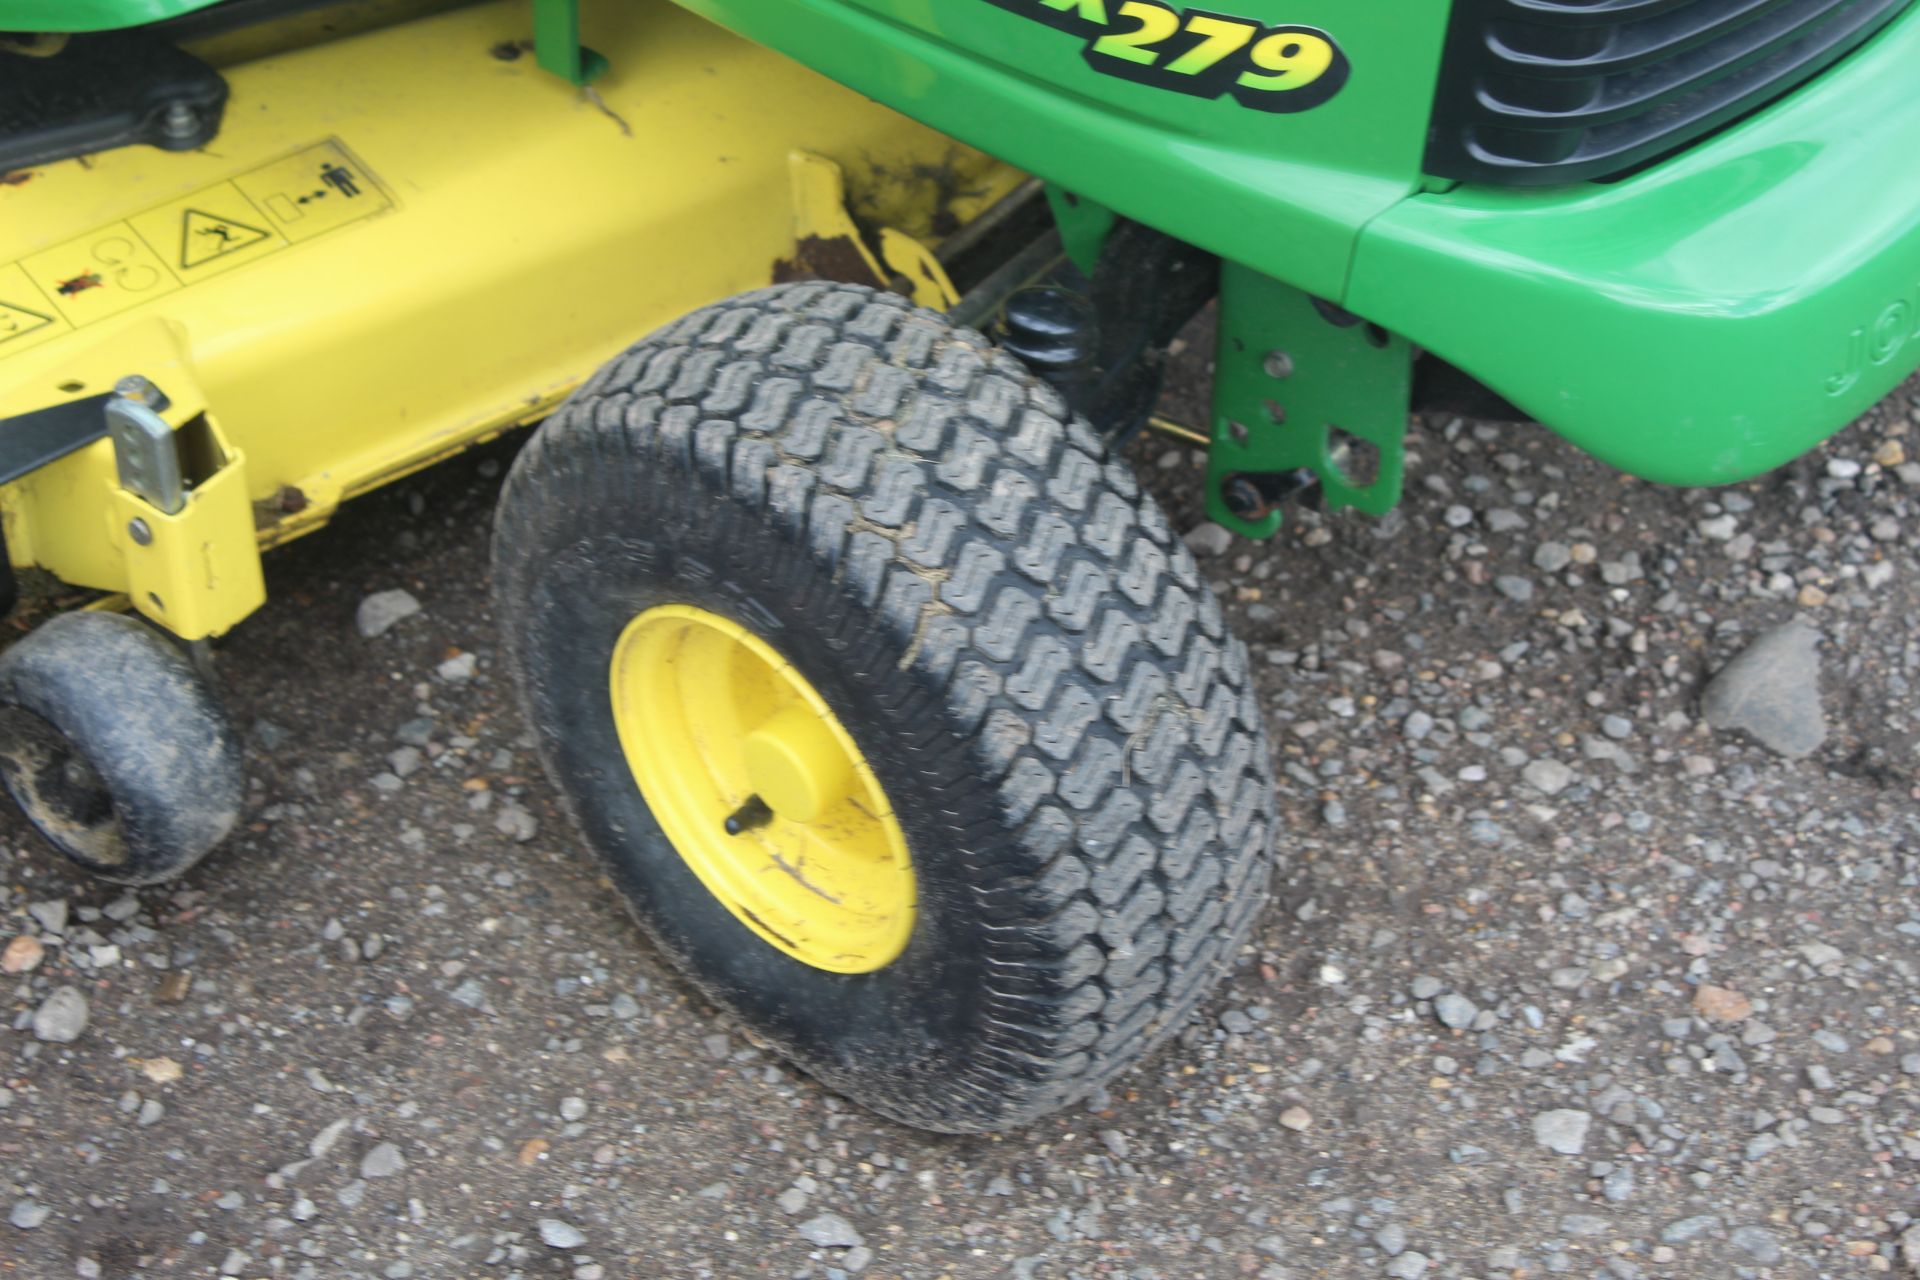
761,789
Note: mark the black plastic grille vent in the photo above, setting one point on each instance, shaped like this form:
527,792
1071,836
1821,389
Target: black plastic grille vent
1544,91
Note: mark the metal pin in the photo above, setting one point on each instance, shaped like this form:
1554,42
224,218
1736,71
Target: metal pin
754,813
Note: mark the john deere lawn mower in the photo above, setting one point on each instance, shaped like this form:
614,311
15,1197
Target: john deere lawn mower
902,719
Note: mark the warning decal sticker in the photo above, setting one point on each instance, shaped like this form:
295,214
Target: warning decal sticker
195,237
18,322
205,235
25,317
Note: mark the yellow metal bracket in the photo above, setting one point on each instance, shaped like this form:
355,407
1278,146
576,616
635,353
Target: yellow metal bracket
195,571
920,268
828,244
95,518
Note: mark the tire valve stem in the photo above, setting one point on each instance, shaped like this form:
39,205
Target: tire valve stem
754,813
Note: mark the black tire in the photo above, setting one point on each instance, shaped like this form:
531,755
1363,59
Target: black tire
116,749
1004,624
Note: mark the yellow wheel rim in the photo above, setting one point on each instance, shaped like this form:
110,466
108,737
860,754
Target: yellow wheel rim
761,789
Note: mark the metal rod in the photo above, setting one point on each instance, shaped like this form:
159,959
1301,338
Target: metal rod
1168,427
986,298
992,219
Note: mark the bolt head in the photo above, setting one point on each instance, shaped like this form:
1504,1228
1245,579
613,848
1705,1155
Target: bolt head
181,121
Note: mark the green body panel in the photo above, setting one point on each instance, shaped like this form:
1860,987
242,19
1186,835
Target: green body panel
1083,224
90,15
1285,193
1286,380
1702,321
1698,322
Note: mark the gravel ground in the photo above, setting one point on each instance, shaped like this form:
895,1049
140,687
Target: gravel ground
1561,979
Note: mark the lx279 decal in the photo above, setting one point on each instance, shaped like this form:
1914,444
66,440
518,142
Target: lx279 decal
1268,68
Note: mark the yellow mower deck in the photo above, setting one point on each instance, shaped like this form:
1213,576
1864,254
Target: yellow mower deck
407,241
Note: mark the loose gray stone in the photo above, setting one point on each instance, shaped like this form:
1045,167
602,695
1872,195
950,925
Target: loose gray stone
1392,1239
61,1017
556,1234
1757,1243
459,668
1552,557
830,1231
28,1214
415,733
1772,691
1514,587
1455,1010
1563,1130
1910,1249
382,1160
51,915
1410,1265
1821,954
1718,528
325,1140
1618,573
1501,520
1209,539
1687,1228
381,611
517,823
1547,776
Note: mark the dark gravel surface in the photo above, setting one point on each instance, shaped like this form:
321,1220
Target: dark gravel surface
1561,979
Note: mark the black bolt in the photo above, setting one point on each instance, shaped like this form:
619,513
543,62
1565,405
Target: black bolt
1243,497
754,813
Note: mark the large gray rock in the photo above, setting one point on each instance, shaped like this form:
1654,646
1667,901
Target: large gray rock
1209,539
1772,691
61,1017
1564,1131
556,1234
379,612
830,1231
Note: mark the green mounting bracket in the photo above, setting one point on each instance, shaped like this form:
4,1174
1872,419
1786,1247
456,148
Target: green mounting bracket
1083,224
1302,385
556,43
